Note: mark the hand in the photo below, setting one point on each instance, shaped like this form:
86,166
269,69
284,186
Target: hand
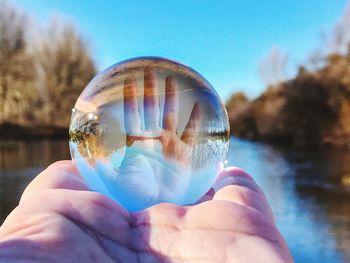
156,165
58,220
174,147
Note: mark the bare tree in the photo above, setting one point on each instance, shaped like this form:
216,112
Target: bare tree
17,74
272,68
339,38
65,67
334,42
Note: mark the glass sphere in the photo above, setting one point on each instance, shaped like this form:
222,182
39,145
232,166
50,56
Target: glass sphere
149,130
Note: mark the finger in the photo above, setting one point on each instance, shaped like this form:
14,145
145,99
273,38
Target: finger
132,118
151,101
235,185
192,125
91,211
171,105
59,175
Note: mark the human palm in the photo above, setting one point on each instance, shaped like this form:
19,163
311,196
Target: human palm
157,163
58,220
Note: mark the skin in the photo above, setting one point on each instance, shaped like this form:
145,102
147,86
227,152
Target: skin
59,220
175,147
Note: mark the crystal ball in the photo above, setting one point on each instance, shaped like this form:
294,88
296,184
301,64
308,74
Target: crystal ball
149,130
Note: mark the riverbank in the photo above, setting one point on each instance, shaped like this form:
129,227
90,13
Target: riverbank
241,127
16,132
312,109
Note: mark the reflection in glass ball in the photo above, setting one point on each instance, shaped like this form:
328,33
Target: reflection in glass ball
149,130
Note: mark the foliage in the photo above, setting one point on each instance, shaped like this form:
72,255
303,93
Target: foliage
17,71
40,77
66,67
311,109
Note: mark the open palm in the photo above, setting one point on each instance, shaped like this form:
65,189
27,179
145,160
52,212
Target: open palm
156,166
58,220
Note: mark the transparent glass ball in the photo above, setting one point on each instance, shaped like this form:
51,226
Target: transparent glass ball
149,130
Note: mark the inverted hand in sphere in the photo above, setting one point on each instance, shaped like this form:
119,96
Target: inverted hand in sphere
157,162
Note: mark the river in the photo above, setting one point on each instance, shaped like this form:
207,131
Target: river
309,190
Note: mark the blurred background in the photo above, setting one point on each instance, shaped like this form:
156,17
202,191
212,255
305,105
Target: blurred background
282,68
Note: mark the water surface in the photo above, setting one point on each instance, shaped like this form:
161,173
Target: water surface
309,190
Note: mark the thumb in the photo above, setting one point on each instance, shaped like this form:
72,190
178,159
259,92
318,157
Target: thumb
235,185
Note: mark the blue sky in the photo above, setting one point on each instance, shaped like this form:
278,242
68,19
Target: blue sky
223,40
